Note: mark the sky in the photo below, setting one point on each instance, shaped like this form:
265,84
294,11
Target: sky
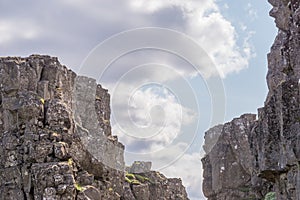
174,68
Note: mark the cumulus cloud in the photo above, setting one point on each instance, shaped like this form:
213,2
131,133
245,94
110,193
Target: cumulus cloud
205,23
153,114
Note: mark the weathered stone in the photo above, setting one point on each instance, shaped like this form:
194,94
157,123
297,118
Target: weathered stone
140,167
55,137
254,157
141,191
211,137
61,150
88,193
154,185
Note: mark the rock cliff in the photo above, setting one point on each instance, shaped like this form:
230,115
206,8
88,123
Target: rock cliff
259,157
56,140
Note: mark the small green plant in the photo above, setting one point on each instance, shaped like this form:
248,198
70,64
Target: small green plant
135,182
110,189
78,187
42,100
70,162
270,196
130,176
128,180
141,178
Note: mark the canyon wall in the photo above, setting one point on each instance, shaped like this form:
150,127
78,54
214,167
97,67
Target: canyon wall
258,157
56,141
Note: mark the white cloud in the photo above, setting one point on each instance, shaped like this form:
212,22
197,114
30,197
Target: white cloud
248,47
202,21
205,23
152,113
226,6
251,12
17,29
148,6
75,20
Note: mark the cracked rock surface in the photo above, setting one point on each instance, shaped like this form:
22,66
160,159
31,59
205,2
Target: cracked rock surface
56,144
252,157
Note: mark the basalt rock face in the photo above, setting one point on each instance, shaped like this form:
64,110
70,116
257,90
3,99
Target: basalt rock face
229,168
253,157
146,184
55,137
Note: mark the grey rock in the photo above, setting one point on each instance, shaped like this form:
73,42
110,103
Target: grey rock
56,141
154,185
254,157
140,167
211,137
89,192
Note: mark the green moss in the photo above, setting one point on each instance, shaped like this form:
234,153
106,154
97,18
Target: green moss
42,100
127,180
70,162
270,196
141,178
78,187
132,181
135,182
244,189
130,176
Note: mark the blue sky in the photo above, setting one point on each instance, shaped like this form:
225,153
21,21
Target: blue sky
167,123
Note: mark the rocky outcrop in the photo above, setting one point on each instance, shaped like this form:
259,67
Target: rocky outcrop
229,168
139,167
254,158
56,141
146,184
